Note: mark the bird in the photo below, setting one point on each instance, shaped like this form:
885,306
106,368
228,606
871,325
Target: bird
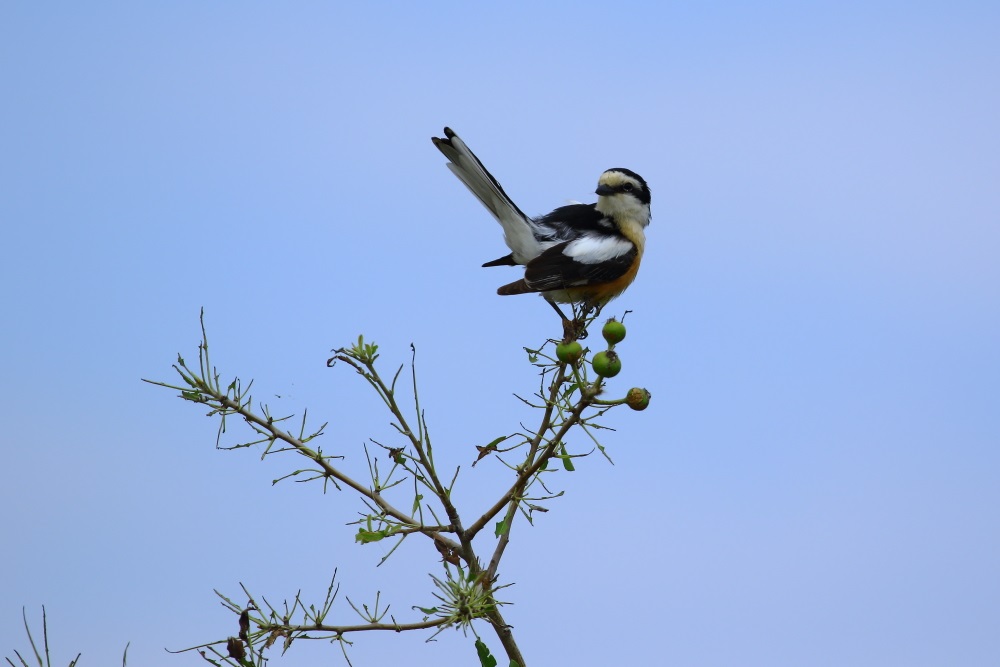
581,254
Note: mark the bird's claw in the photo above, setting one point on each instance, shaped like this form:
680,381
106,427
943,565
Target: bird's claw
575,329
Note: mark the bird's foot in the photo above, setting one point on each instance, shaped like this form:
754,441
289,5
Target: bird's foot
575,329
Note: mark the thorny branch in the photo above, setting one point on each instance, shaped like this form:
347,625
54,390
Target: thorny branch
468,593
420,441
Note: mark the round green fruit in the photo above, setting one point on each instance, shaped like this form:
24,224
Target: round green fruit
607,364
613,331
569,353
637,398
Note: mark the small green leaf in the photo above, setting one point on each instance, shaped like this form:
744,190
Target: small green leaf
573,387
501,528
488,449
416,503
497,441
566,460
369,536
430,611
485,658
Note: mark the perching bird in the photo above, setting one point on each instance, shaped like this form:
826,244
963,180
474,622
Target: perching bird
585,254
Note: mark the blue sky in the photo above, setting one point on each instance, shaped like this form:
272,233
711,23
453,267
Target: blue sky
816,481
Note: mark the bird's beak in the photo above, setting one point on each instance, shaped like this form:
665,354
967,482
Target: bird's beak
604,190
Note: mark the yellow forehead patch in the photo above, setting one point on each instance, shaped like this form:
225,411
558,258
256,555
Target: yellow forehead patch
615,179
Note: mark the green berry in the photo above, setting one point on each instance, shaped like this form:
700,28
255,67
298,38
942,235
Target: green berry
607,364
637,398
569,353
613,331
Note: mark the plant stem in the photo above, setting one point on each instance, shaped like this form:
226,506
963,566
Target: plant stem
506,637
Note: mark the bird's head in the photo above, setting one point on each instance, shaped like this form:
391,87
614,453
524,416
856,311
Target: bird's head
623,194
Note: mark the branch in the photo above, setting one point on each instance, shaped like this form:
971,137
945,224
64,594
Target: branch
506,637
468,591
329,470
532,465
205,387
345,629
330,632
364,364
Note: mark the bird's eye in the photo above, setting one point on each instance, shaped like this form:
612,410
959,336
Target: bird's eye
627,187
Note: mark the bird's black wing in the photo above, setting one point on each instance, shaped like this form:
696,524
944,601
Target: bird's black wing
567,222
554,269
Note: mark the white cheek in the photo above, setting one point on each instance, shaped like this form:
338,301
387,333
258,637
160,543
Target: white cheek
624,207
590,249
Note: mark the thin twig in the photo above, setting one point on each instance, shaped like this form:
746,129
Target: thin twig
330,471
417,440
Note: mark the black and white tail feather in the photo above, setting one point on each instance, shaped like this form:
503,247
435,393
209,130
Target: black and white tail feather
585,254
519,231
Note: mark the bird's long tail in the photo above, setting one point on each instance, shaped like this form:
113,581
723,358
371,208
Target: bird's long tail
518,229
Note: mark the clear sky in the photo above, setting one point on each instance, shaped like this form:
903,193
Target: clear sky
817,481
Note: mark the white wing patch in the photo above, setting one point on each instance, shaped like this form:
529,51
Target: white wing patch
594,249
